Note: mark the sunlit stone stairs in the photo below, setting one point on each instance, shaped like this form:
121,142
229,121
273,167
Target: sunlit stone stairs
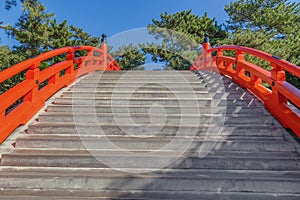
153,135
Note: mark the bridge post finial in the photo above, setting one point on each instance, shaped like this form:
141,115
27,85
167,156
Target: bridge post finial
206,38
105,50
206,44
103,39
104,43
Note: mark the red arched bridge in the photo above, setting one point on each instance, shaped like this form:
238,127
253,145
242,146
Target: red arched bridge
208,133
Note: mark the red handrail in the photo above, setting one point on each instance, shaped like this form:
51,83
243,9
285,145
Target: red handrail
29,90
278,99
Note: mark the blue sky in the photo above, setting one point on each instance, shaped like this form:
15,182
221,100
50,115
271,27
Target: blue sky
115,16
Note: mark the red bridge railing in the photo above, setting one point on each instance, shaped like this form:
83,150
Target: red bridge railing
39,85
282,99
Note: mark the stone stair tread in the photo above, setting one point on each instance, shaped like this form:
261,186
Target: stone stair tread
85,114
158,183
37,194
220,138
192,152
154,118
152,154
141,173
168,129
154,144
144,108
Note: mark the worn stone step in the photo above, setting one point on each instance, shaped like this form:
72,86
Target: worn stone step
56,137
159,78
125,79
156,118
156,109
37,194
166,84
143,73
146,74
201,102
151,143
192,152
125,159
151,94
216,89
163,180
142,173
145,94
134,88
162,129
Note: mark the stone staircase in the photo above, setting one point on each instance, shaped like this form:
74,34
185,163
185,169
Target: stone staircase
153,135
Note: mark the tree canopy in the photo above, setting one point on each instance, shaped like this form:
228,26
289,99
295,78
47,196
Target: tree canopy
37,32
181,35
272,26
129,57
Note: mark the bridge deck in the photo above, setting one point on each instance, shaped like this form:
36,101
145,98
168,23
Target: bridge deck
150,135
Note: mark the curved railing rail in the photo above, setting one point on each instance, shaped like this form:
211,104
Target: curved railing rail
280,98
39,85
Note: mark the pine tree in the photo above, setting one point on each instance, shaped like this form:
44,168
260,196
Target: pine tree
31,30
7,59
129,57
181,35
272,26
37,32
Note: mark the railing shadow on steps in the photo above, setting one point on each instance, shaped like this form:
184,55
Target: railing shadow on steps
281,98
39,85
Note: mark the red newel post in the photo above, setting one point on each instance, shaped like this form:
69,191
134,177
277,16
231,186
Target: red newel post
105,51
206,47
206,44
33,74
70,57
277,75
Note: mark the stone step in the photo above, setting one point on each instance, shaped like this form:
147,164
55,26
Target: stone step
150,143
166,84
216,89
156,109
156,118
72,137
164,180
162,129
58,194
142,72
143,173
136,88
194,153
125,159
11,194
159,94
138,75
126,79
150,77
199,102
185,80
173,86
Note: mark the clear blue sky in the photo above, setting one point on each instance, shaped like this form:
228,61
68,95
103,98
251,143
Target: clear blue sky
115,16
